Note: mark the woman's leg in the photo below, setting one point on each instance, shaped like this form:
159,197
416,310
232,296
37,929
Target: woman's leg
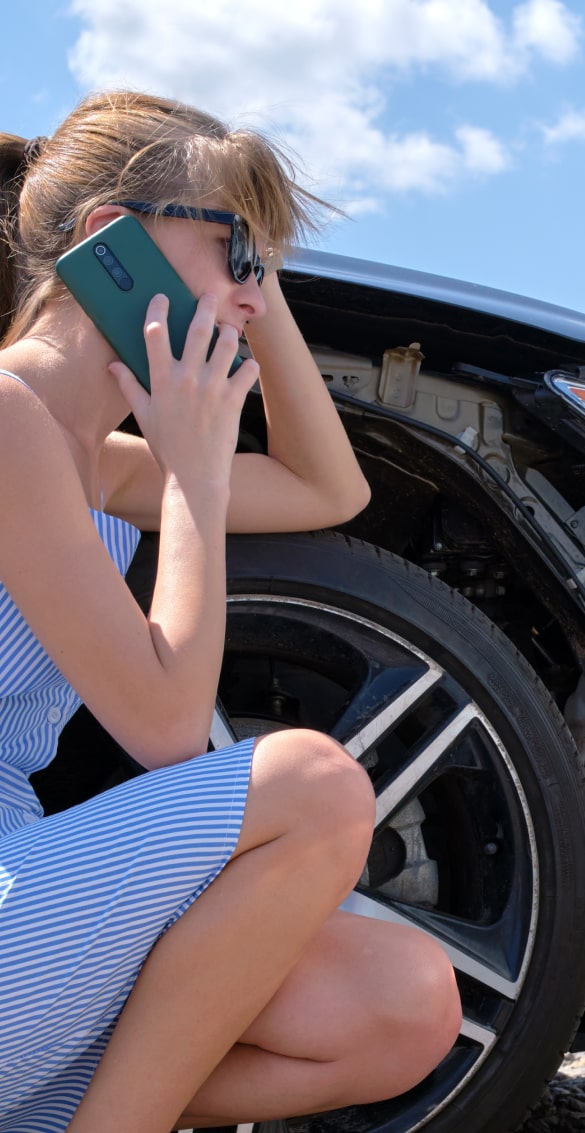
368,1011
303,843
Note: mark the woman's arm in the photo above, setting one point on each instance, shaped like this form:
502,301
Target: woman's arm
151,681
310,477
132,481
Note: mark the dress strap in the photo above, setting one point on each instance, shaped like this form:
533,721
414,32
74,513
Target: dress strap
9,374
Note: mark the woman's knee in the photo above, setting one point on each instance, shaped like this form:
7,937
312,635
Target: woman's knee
306,781
427,1010
321,775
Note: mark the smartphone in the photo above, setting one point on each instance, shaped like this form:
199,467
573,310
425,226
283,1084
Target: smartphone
113,275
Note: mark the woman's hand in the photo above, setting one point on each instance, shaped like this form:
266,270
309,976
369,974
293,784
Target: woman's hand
191,418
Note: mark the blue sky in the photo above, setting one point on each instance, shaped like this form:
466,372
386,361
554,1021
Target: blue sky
451,131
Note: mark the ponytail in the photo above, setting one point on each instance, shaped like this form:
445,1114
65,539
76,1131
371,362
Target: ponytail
13,162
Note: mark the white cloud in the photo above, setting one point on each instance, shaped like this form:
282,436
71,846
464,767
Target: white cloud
248,42
482,152
318,73
569,128
412,162
546,26
365,206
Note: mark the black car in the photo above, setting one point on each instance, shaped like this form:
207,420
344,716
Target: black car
441,637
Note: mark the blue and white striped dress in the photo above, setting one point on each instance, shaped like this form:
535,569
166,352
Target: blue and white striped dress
84,894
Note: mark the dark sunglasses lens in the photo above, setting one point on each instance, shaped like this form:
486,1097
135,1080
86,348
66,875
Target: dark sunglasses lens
240,251
243,257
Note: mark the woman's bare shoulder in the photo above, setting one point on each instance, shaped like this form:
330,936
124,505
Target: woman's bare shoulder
35,461
20,405
42,502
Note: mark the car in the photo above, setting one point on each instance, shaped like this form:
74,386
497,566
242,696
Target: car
440,636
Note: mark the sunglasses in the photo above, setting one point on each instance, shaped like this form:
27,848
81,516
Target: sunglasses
243,258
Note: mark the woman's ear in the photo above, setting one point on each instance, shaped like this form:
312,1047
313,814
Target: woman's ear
102,215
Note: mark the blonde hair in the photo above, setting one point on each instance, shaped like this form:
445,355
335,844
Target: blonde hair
123,145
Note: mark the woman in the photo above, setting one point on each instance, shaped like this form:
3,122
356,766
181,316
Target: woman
180,931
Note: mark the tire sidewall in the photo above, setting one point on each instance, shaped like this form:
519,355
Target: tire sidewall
385,589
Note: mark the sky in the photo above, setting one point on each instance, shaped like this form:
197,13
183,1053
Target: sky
450,132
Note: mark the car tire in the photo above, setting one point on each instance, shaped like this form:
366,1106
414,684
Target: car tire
480,835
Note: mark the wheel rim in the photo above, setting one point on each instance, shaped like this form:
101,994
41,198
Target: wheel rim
454,850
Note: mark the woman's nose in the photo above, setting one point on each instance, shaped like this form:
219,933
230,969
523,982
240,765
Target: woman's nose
251,297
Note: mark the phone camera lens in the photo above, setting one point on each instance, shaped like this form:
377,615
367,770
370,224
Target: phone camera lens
114,268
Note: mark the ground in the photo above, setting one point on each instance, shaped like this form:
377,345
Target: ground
562,1106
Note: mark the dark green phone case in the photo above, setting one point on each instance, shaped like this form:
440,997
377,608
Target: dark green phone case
118,307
